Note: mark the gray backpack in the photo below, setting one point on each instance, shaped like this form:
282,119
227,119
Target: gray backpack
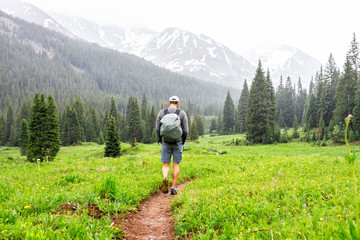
170,127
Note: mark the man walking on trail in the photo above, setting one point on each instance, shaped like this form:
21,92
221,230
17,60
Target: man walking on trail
171,129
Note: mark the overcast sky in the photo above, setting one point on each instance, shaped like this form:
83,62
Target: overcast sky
318,27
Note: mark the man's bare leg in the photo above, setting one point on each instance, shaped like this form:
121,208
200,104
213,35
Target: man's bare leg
165,169
176,171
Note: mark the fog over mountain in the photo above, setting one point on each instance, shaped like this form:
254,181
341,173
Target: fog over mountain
178,50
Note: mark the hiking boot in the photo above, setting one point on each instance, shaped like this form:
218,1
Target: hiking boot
173,191
164,187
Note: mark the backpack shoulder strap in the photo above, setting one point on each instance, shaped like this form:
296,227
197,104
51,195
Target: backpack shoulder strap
177,111
166,111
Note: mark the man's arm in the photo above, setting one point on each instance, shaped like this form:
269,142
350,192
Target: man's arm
185,128
157,127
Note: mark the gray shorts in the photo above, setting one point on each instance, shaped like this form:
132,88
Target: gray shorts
168,149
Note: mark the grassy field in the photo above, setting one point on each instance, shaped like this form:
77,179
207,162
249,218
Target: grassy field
296,190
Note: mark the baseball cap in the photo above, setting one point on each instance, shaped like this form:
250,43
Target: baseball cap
174,99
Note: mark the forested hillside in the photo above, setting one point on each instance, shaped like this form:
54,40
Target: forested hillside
34,59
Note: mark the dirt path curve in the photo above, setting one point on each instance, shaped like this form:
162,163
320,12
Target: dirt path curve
152,220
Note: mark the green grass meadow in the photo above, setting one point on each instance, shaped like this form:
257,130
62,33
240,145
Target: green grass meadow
294,191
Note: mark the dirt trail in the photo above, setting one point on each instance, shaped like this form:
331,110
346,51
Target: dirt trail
152,220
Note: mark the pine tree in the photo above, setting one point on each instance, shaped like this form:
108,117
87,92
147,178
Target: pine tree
280,103
23,138
24,113
124,129
353,55
242,109
112,147
148,129
13,136
228,115
71,129
300,102
327,100
296,128
289,108
311,113
356,113
271,105
9,123
258,104
2,130
345,94
213,125
36,144
113,110
143,107
78,106
193,134
52,138
199,124
134,121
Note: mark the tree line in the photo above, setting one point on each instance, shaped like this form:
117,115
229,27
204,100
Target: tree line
332,96
81,122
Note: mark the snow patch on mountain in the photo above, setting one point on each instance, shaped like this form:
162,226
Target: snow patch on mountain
283,60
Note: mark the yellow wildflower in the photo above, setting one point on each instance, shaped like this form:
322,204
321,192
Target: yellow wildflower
26,207
298,233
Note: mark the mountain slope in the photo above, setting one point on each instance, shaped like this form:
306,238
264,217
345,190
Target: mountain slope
286,61
34,59
199,56
30,13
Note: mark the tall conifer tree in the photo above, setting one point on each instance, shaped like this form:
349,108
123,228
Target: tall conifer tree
52,138
242,109
345,93
23,138
112,147
228,115
36,145
258,103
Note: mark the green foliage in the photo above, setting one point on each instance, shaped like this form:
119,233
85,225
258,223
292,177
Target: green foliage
242,109
108,189
70,127
193,133
43,143
23,139
134,120
228,115
296,129
213,125
260,118
345,93
112,144
200,125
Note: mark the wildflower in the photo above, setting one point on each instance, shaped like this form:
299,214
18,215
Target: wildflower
321,219
339,216
42,188
298,233
27,207
349,117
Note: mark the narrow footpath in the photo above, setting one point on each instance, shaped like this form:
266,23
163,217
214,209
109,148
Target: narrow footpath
152,220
